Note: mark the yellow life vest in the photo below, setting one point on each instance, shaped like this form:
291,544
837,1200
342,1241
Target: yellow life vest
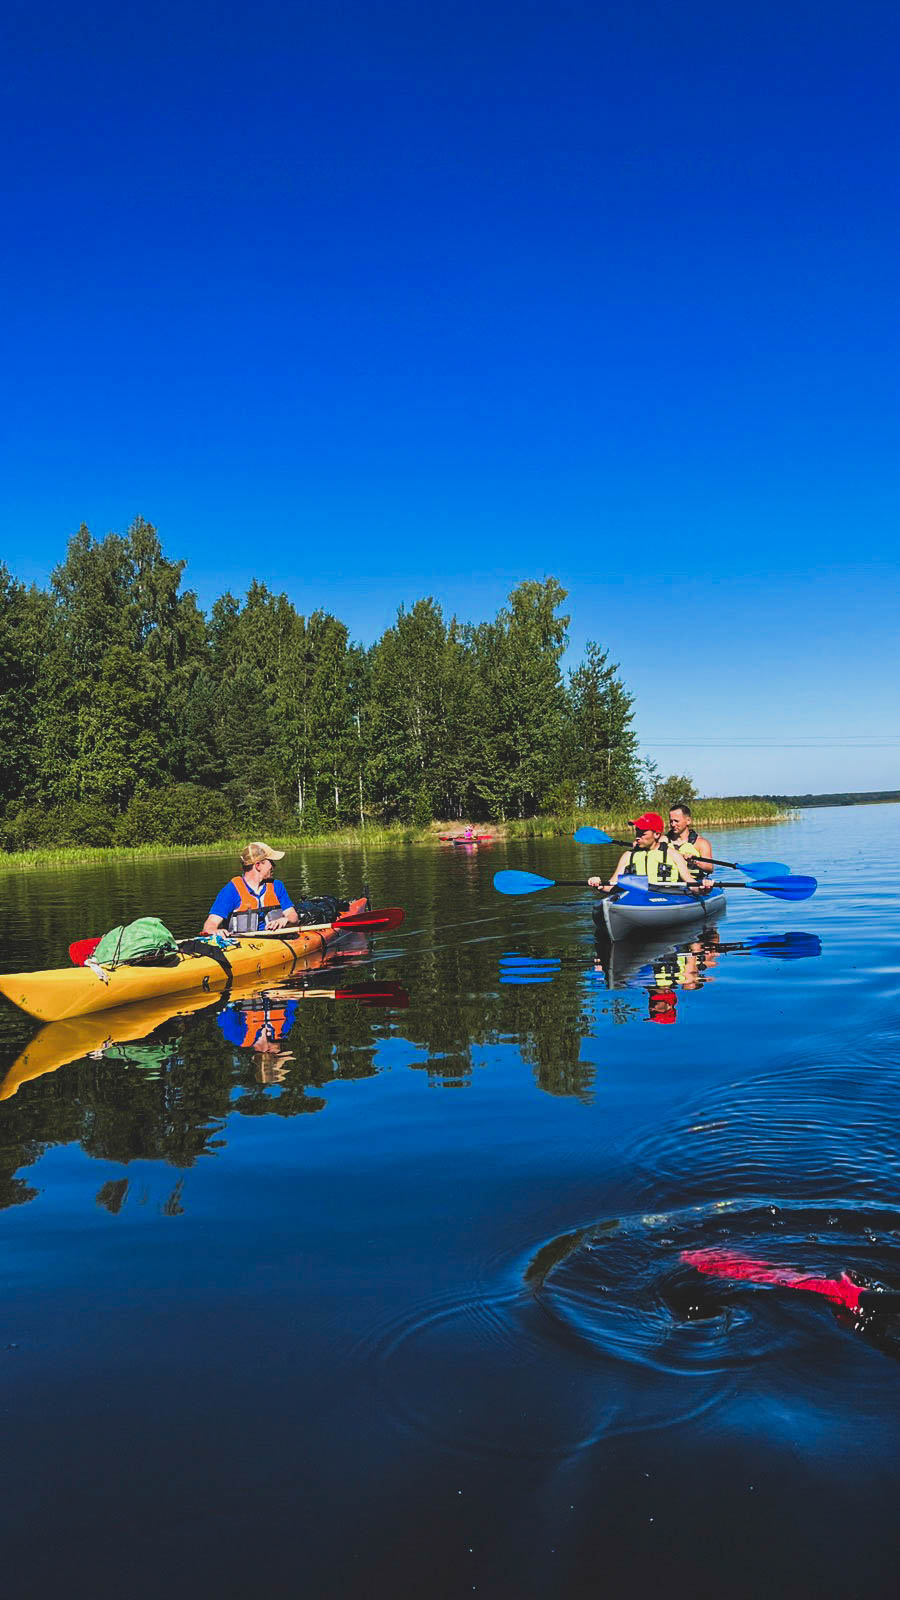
660,872
688,848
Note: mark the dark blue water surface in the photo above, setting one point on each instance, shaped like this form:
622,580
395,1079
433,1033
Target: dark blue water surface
329,1296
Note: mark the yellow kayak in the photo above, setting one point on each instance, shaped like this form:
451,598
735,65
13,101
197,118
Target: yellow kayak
64,992
58,1043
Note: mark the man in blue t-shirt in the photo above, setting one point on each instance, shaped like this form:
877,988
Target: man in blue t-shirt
254,900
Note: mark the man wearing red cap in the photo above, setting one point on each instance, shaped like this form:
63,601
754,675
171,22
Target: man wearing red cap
663,865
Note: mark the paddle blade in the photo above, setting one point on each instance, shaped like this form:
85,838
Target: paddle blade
511,882
529,969
789,888
785,946
592,836
390,917
376,994
81,949
531,962
763,869
518,978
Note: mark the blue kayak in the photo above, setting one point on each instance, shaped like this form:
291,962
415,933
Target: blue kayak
637,909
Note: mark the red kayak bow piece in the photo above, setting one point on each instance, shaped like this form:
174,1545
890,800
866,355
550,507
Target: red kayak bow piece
390,917
840,1291
81,950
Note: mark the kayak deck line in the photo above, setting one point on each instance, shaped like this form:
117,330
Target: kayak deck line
58,994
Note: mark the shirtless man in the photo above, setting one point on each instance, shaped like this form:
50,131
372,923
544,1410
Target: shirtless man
683,834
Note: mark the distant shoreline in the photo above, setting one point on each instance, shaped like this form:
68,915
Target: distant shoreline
713,813
800,802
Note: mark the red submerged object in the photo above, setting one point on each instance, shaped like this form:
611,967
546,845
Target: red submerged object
840,1291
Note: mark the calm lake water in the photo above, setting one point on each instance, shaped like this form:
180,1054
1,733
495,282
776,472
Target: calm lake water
396,1305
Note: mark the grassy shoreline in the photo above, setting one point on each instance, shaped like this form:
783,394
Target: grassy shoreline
715,813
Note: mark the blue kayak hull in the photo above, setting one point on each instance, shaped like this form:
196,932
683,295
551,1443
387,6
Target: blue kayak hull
635,912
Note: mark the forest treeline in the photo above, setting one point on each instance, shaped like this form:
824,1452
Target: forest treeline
128,715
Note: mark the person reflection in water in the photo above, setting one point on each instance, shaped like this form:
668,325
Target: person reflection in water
686,967
261,1024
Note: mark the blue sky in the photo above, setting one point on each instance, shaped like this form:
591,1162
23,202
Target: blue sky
376,301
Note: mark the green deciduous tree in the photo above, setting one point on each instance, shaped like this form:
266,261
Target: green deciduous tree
666,791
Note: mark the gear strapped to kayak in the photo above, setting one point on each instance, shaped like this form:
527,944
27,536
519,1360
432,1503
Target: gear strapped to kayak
199,964
144,942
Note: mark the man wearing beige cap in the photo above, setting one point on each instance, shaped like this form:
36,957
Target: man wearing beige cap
255,899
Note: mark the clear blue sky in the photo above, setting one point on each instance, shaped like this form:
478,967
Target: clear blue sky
373,301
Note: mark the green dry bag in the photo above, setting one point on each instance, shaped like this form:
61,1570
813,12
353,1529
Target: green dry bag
144,942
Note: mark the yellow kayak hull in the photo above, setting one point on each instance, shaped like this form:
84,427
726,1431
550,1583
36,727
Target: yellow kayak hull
58,1043
64,992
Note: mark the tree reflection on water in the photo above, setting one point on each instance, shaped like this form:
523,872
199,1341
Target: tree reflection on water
167,1095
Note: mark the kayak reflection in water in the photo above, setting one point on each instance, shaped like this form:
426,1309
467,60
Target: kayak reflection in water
664,969
684,969
261,1021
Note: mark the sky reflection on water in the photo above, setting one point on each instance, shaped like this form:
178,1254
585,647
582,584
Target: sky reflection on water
294,1286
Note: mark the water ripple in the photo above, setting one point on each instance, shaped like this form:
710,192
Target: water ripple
802,1131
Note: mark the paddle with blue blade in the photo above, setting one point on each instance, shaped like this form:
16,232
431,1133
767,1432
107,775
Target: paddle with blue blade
512,882
753,869
793,887
529,969
785,888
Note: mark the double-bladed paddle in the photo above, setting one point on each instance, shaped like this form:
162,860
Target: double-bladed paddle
390,917
754,869
788,888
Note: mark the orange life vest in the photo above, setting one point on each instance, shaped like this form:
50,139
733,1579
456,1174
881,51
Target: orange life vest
245,916
271,1021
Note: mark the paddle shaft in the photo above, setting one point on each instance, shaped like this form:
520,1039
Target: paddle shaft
390,917
695,861
760,888
367,993
759,869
